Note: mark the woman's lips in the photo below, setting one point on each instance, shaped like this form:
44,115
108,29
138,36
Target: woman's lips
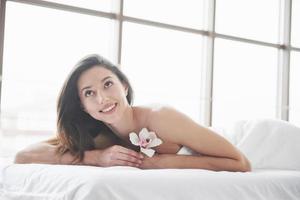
109,109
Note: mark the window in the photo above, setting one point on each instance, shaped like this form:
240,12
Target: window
253,19
244,82
294,88
177,12
164,66
41,46
105,6
296,24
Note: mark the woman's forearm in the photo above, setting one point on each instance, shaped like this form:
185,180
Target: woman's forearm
196,162
45,153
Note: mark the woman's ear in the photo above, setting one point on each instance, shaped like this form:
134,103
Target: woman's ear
125,89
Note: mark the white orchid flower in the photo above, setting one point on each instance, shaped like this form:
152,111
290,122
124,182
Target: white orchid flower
146,140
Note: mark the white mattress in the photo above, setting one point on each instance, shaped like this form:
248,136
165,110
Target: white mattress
62,182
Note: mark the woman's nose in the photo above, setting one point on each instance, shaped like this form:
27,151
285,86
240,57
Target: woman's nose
100,97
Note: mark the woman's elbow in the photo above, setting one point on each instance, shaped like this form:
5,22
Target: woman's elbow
244,165
21,158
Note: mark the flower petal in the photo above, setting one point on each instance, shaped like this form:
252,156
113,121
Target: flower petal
154,143
152,135
134,139
144,134
148,152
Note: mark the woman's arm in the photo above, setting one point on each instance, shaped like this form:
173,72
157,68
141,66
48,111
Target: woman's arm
217,153
195,162
46,153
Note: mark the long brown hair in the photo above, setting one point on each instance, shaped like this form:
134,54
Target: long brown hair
75,128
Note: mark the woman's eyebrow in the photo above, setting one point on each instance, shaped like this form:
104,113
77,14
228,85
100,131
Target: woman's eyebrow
85,88
101,81
106,78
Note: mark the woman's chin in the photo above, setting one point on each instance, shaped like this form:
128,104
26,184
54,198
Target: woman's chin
108,120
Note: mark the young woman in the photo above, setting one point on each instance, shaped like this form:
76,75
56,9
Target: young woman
96,125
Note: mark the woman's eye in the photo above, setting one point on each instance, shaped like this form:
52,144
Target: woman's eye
88,93
108,84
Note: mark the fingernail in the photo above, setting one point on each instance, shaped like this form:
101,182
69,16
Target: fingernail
141,156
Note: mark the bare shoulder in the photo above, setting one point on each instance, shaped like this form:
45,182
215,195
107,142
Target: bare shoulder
169,123
176,126
158,120
162,119
163,114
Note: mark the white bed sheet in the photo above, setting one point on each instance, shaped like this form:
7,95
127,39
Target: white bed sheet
62,182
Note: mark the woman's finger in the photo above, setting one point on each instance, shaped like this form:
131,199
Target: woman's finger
128,158
130,152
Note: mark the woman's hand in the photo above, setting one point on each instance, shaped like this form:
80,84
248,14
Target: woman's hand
114,156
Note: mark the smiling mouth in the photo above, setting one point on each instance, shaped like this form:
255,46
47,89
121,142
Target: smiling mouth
110,109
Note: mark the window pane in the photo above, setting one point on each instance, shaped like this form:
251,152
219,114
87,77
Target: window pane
178,12
102,5
254,19
244,82
294,88
41,46
164,67
296,24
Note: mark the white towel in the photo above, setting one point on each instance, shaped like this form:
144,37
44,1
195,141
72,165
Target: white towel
186,151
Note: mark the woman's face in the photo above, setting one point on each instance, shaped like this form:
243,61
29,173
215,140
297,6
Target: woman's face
102,94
